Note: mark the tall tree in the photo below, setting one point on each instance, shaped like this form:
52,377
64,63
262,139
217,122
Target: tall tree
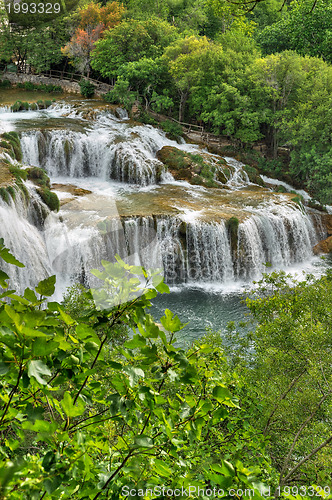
94,20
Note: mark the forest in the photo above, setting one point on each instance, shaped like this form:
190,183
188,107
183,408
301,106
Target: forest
98,398
255,75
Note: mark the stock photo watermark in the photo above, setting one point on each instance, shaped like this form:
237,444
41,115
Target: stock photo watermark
216,492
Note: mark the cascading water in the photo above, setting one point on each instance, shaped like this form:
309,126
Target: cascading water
120,153
19,223
280,235
195,251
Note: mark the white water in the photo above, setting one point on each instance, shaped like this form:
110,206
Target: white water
190,250
18,227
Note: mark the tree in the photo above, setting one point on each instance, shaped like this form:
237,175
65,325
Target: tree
146,76
191,61
37,46
130,41
289,365
94,20
300,29
278,76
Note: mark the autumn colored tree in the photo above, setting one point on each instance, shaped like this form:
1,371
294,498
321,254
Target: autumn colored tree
94,19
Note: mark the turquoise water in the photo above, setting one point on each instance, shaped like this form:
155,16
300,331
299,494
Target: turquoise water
202,310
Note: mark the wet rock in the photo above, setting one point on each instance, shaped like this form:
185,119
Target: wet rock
190,167
70,188
324,246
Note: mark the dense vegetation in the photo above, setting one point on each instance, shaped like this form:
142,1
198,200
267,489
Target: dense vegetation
90,410
96,396
257,75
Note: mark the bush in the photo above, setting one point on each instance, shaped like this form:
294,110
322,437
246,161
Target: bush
173,130
121,94
87,88
16,106
82,420
5,84
29,86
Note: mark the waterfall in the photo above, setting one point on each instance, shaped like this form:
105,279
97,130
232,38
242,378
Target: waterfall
200,249
97,153
281,235
18,222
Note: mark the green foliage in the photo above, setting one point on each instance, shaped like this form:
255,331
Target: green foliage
121,94
12,139
287,359
5,84
173,130
302,29
87,88
38,176
42,87
130,41
80,421
161,103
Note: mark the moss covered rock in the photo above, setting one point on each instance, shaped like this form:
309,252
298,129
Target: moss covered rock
188,166
11,142
253,175
49,198
38,176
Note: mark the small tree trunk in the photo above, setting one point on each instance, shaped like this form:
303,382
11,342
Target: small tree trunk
183,100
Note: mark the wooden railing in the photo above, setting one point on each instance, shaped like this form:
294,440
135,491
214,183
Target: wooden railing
70,76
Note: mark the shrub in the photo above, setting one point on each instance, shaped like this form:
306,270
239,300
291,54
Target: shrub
5,84
87,88
16,106
142,414
173,130
29,86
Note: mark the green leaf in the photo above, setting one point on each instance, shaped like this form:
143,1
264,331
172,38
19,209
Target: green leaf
171,322
70,409
36,369
4,368
30,295
66,318
135,342
7,256
143,441
159,284
3,278
46,287
84,332
43,347
134,374
221,393
161,468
